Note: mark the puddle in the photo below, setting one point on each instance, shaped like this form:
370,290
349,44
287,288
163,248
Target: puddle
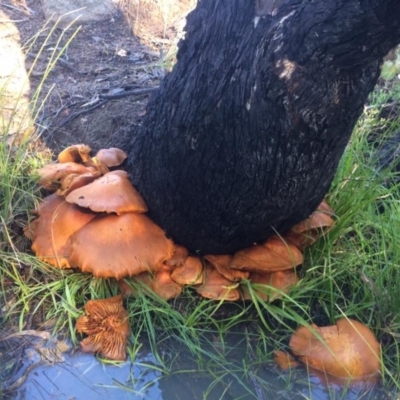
48,372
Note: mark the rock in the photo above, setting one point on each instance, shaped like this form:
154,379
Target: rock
86,10
15,117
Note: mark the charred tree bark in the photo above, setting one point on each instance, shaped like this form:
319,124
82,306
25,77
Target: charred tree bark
245,134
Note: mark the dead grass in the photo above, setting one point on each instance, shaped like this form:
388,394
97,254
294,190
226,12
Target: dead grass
156,21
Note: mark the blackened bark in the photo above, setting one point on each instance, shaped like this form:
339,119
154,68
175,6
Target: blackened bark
245,134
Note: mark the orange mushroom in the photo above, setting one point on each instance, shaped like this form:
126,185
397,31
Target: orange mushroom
222,263
285,360
75,181
111,157
78,153
159,283
107,325
325,207
51,231
269,286
164,286
307,232
274,255
50,175
348,349
111,193
179,256
117,246
216,287
189,273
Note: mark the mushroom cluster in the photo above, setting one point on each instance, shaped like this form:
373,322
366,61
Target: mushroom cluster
347,352
95,221
95,218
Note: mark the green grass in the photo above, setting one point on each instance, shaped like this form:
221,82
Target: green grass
352,272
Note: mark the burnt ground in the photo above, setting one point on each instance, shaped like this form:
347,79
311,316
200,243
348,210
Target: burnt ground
89,93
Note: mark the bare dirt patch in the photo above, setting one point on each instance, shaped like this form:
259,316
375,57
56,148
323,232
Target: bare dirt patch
98,89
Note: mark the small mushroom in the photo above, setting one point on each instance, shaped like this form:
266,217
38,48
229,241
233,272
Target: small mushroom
50,175
326,208
348,349
274,255
222,263
307,232
111,157
78,153
112,193
216,287
114,246
51,231
285,360
107,325
164,286
189,273
75,181
179,256
274,284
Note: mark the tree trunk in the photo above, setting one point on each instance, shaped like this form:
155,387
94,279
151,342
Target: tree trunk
245,134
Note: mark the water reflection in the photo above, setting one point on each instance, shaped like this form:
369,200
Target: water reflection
223,375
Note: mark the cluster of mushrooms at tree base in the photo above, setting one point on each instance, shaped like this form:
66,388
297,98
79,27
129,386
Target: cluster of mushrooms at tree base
95,221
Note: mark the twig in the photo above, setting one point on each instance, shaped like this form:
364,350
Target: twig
128,93
78,113
29,332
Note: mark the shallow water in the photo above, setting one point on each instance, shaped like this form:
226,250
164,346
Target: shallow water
48,373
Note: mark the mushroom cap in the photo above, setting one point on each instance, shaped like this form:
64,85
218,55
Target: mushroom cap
114,246
325,207
189,273
274,255
317,220
111,157
179,256
107,325
111,193
50,232
78,153
284,360
51,175
307,232
75,181
222,263
283,281
164,286
348,349
216,287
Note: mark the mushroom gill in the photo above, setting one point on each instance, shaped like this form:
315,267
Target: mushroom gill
107,325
